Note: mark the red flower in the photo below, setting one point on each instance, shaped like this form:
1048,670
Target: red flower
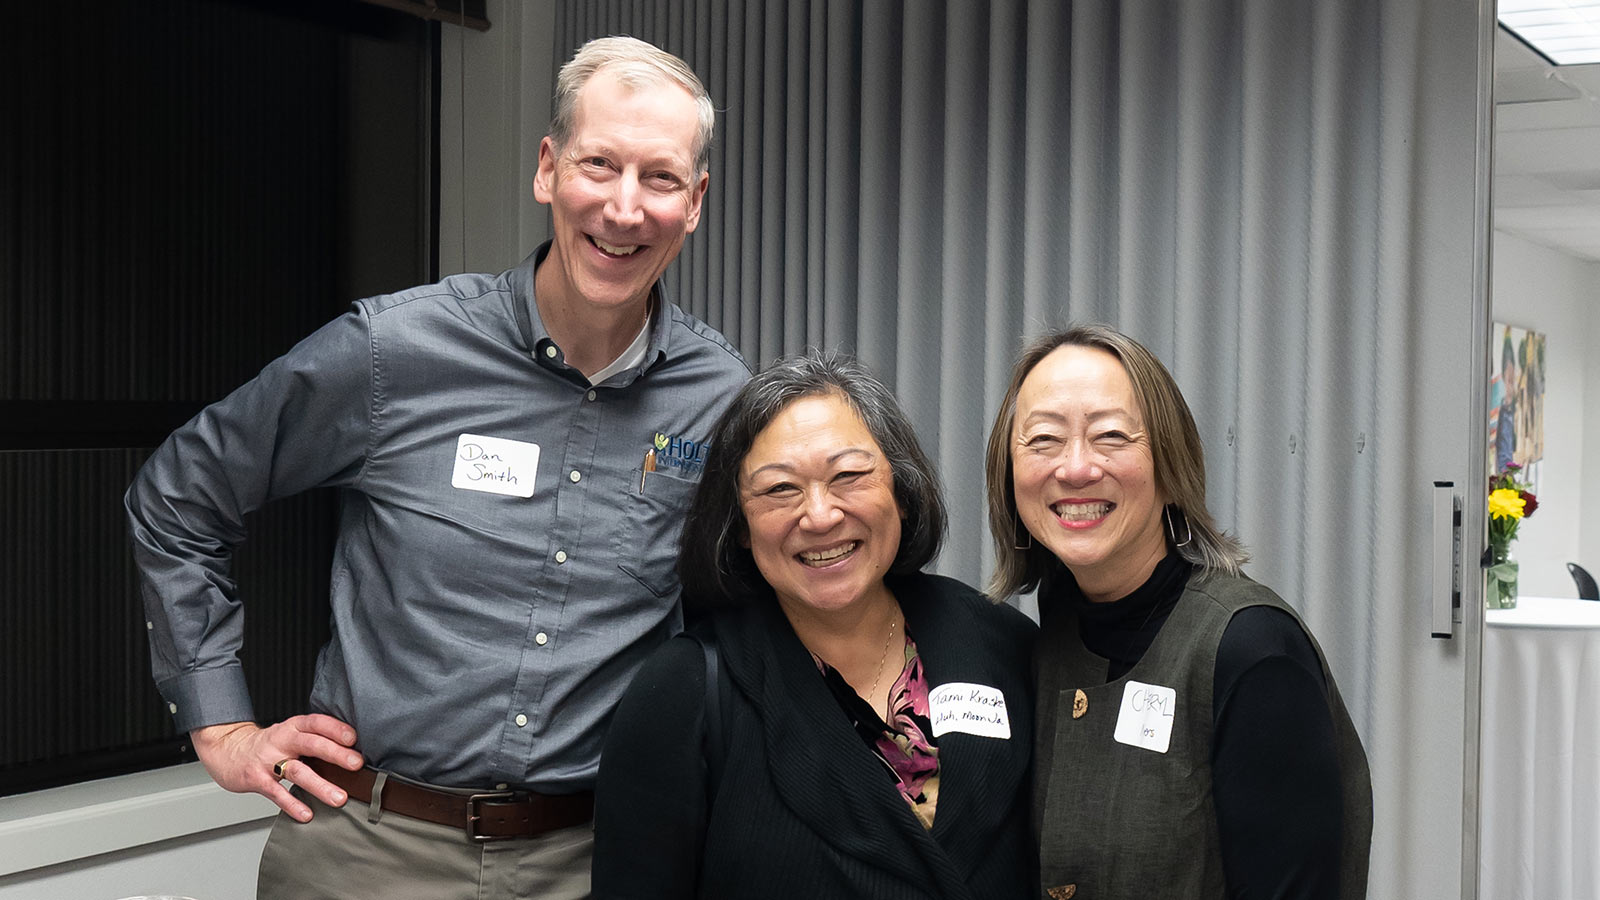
1530,503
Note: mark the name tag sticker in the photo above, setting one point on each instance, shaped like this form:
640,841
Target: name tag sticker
969,708
1145,719
495,465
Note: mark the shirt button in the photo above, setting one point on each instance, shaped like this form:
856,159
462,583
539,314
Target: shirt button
591,395
172,707
521,720
561,556
541,639
575,476
550,351
149,626
501,786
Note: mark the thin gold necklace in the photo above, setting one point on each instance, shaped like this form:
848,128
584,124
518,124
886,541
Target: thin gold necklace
873,694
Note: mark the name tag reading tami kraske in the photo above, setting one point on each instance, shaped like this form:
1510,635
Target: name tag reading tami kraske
495,465
970,708
1145,719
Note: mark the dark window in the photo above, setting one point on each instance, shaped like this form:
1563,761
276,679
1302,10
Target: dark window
189,188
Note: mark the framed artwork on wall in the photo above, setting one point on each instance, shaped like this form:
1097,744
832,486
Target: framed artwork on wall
1516,400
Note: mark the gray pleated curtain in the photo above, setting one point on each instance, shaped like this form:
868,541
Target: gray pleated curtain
1240,185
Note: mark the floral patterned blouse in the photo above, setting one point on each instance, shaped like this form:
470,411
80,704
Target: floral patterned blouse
905,743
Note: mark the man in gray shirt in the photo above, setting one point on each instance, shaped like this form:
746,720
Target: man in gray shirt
514,454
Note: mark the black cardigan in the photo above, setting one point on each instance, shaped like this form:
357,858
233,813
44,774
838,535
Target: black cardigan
803,808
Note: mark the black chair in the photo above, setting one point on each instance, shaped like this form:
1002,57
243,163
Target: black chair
1586,586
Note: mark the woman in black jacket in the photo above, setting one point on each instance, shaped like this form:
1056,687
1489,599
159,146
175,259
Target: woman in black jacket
867,729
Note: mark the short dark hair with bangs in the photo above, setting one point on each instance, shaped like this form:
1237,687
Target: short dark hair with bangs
717,571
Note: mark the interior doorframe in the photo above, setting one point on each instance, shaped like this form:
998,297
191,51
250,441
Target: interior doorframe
1474,515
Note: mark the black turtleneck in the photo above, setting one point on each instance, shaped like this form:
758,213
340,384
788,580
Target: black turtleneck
1121,631
1274,760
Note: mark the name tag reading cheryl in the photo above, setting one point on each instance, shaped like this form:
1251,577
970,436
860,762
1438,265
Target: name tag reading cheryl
1146,717
969,708
495,465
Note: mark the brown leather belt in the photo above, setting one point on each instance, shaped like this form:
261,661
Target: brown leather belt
482,816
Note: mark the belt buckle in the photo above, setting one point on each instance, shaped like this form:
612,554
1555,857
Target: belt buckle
471,828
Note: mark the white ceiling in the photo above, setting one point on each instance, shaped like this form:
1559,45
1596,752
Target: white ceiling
1547,150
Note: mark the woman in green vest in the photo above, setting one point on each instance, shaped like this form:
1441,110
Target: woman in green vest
1190,740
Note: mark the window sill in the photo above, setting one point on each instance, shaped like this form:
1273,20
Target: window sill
77,821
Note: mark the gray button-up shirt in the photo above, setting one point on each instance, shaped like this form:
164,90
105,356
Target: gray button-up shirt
508,533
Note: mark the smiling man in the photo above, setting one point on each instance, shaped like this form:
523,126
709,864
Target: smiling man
624,171
515,454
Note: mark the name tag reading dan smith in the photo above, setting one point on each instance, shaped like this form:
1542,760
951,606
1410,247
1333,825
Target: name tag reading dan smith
1145,719
970,708
495,465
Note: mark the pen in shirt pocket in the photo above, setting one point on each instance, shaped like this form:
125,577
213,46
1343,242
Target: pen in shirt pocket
649,466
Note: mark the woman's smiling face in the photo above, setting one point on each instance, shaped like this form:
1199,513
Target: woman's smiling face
1082,472
818,499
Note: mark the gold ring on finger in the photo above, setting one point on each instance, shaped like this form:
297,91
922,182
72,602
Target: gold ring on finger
277,770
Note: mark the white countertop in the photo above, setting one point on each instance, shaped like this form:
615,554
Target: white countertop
92,817
1547,612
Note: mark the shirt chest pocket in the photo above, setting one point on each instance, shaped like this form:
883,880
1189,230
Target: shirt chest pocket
646,544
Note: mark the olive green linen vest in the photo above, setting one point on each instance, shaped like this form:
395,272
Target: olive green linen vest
1123,822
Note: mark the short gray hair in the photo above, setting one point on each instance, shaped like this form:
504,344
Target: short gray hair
638,64
717,571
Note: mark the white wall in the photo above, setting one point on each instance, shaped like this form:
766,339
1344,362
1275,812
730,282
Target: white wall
495,89
1589,496
1548,291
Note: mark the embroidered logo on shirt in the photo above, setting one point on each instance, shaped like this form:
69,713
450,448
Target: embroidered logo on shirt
673,451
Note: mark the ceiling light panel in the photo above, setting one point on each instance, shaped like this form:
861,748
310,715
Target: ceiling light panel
1565,31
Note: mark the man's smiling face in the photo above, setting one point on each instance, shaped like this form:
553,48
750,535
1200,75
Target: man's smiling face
623,191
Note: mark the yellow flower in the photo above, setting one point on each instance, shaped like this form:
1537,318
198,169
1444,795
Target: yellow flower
1505,503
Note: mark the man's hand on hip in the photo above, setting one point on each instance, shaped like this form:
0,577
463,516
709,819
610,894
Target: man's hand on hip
244,757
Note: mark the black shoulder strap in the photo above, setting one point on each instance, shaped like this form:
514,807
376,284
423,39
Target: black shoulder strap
714,737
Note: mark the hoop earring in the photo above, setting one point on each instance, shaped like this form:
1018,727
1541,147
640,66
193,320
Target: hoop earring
1017,542
1188,533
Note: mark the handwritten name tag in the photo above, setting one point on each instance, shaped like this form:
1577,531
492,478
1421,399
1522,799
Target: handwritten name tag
1146,717
970,708
495,465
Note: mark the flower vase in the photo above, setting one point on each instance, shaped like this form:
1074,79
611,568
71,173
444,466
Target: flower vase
1501,591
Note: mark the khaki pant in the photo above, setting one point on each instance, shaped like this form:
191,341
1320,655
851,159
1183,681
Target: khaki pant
342,855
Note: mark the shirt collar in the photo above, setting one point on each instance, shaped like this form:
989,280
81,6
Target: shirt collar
632,356
536,340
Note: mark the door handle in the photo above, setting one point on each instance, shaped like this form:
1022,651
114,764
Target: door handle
1445,590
